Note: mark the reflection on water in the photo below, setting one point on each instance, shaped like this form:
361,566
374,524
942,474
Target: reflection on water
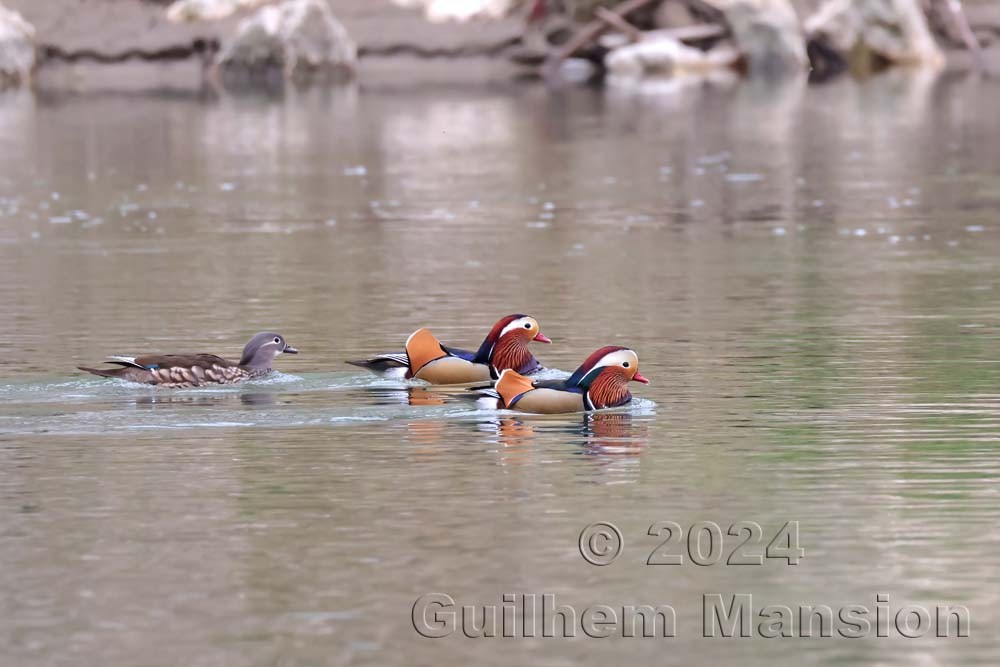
808,274
611,433
171,399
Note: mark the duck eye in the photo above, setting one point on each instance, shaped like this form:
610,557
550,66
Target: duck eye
277,340
527,325
625,364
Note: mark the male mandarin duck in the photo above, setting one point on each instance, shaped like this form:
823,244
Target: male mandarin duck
600,382
194,370
425,358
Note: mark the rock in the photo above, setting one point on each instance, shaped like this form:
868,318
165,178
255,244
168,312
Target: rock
897,30
299,37
613,40
984,16
17,48
622,88
673,15
183,11
991,59
660,54
459,10
837,24
576,70
894,30
536,44
767,33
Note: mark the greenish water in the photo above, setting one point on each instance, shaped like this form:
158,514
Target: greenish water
809,277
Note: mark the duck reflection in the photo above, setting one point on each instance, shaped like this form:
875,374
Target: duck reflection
255,399
514,433
422,396
516,440
614,434
405,395
618,434
427,434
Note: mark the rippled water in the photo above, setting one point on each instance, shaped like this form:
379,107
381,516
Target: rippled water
809,276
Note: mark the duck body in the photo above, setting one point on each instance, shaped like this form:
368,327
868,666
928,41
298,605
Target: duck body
196,370
426,358
601,382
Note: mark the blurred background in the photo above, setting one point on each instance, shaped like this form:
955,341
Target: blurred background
190,43
788,209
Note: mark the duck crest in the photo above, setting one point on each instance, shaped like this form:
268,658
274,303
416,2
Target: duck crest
485,352
585,375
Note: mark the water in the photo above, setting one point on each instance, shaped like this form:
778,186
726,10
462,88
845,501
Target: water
809,277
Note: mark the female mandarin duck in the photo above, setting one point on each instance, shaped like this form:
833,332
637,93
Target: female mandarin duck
425,358
194,370
600,382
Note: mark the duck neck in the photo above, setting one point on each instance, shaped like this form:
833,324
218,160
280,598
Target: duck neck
259,362
511,351
609,389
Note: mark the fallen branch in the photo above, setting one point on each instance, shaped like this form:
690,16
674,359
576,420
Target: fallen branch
593,30
618,23
695,33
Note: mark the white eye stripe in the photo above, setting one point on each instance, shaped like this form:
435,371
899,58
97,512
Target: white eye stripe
624,358
519,323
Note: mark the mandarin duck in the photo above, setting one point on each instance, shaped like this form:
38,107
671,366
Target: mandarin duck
600,382
425,358
195,370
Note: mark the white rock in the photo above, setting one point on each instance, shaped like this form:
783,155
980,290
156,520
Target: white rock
17,48
577,70
658,53
837,23
459,10
896,30
208,10
767,33
298,36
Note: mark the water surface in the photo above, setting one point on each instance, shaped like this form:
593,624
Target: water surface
809,276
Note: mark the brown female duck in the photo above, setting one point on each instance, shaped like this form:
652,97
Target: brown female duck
195,370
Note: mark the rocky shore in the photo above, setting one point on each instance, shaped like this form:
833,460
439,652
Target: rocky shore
135,42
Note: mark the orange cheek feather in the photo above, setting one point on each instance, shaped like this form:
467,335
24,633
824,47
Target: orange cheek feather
610,389
511,385
422,347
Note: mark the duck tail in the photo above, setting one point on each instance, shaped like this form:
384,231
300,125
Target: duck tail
382,363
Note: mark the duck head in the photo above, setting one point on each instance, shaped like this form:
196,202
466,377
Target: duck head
263,348
506,346
605,375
